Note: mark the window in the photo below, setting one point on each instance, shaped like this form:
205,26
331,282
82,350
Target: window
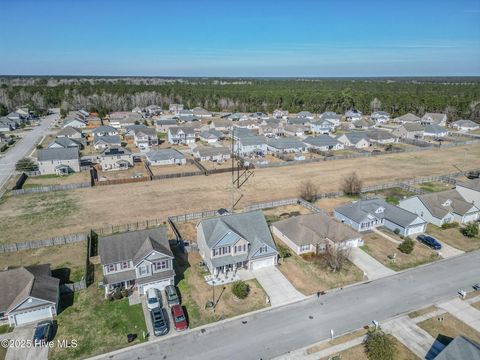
110,267
160,265
304,248
125,265
263,249
142,270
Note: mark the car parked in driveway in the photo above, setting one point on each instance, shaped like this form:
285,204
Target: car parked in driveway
43,333
430,241
154,299
179,319
160,325
172,296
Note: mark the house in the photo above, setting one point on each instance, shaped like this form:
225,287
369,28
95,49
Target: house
238,117
201,112
272,130
70,132
353,114
211,136
442,207
76,123
465,125
152,110
470,191
332,117
380,117
434,119
215,154
305,121
296,130
7,125
358,140
248,124
105,130
435,131
65,142
286,145
165,157
258,116
181,135
175,108
407,118
187,118
363,124
123,119
58,161
29,294
365,215
163,125
102,142
137,260
305,115
381,136
280,114
251,145
460,348
143,136
322,127
323,143
116,158
407,130
314,233
138,109
236,241
221,125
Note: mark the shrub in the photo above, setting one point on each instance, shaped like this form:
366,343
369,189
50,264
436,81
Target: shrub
352,185
379,346
283,251
308,191
117,295
396,231
240,289
470,230
450,225
25,165
406,246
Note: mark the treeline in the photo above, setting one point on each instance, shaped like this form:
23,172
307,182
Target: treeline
459,98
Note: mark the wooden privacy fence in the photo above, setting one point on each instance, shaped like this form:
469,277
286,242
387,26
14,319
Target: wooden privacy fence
36,244
121,181
44,189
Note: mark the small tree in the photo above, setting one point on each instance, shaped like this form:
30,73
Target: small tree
25,165
308,191
283,251
352,185
379,346
335,258
406,246
470,230
240,289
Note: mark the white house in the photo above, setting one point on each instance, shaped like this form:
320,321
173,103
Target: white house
116,158
165,157
353,115
465,125
470,191
215,154
380,117
358,140
323,143
251,145
58,161
181,135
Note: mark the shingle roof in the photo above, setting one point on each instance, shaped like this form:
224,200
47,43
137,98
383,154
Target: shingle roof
65,142
164,154
355,137
409,117
68,131
380,135
321,141
473,184
466,123
166,122
115,150
58,154
435,129
437,204
413,127
109,139
204,151
286,143
252,140
460,348
330,115
105,129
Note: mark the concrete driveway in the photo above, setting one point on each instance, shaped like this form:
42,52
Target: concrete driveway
25,352
463,311
371,267
278,288
449,251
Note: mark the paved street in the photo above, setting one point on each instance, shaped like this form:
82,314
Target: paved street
23,147
373,268
277,331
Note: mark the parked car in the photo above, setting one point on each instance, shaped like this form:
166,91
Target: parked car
43,333
160,326
172,296
179,319
430,241
476,287
154,299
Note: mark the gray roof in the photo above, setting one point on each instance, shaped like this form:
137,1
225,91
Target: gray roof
164,154
109,139
304,114
466,123
68,131
330,115
298,121
211,134
409,117
250,226
66,142
435,129
380,113
413,127
436,117
286,143
355,137
460,348
58,154
364,123
252,140
321,141
20,283
437,204
166,122
115,150
360,210
211,151
473,184
314,229
187,130
380,135
133,245
105,129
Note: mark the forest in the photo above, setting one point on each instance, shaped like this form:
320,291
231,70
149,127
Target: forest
458,97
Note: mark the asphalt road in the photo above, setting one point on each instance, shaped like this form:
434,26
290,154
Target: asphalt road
23,147
268,334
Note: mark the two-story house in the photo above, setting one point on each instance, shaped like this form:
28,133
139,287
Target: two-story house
136,260
322,127
237,241
181,135
116,158
58,161
143,136
105,130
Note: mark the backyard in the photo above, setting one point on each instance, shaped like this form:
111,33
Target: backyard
138,170
329,204
51,179
381,248
454,237
309,275
434,186
392,195
195,293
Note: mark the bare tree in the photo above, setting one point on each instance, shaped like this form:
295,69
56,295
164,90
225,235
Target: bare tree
308,191
375,105
335,258
352,185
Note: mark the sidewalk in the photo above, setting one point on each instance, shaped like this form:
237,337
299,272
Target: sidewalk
463,311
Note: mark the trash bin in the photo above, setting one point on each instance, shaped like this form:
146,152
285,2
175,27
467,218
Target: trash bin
131,337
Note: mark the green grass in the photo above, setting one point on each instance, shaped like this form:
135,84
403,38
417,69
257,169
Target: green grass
161,135
5,329
272,218
434,186
393,195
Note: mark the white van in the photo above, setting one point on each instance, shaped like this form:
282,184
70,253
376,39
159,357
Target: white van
153,299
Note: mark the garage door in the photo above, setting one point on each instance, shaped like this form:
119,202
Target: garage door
160,285
32,316
258,264
416,229
469,218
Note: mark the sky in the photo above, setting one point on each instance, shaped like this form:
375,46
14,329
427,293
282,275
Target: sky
262,38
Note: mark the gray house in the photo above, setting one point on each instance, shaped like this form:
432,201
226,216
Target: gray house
412,131
136,260
59,161
105,130
116,158
460,348
286,145
323,143
102,142
163,125
358,140
365,215
315,233
66,142
237,241
165,157
70,132
29,294
409,117
215,154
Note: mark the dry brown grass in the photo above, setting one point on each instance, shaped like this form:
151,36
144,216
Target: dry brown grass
103,206
173,169
138,168
424,311
454,237
79,177
446,330
336,341
476,305
330,204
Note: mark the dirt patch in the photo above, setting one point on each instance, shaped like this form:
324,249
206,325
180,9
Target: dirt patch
330,204
434,186
45,180
138,170
173,169
454,237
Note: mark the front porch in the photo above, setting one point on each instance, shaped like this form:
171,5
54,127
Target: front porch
122,285
226,274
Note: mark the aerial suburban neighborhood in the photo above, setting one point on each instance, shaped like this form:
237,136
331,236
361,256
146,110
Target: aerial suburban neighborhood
238,180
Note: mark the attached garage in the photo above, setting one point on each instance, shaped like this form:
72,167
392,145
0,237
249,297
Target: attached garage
262,263
470,217
30,316
159,285
417,229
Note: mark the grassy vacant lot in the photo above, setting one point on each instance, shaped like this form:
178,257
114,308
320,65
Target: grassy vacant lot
45,180
434,186
102,206
97,324
358,352
68,260
381,248
393,195
444,331
454,237
173,169
195,293
310,275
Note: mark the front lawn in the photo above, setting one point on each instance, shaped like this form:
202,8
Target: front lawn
381,249
454,237
5,329
309,275
97,324
445,331
195,293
